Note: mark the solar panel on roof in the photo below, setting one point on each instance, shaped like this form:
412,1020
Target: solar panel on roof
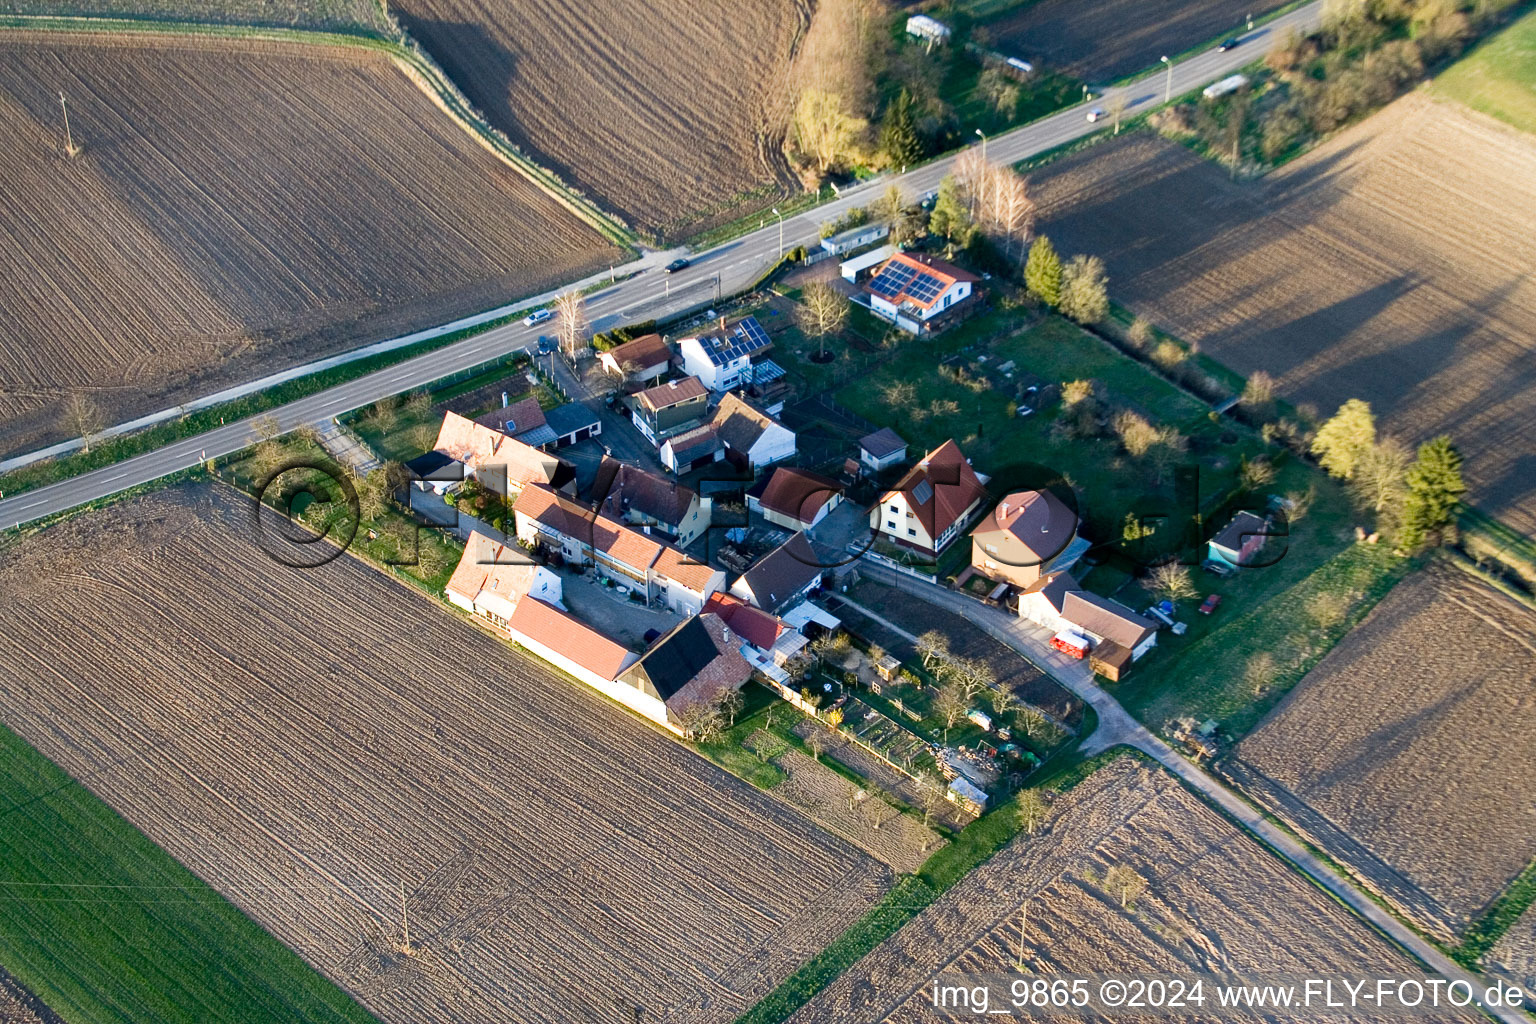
922,492
751,333
893,280
925,288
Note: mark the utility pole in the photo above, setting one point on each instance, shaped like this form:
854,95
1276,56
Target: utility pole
1168,92
779,215
70,149
983,144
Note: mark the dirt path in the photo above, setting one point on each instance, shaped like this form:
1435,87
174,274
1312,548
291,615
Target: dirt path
1116,727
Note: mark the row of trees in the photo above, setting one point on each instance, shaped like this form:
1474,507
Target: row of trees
1414,495
1078,289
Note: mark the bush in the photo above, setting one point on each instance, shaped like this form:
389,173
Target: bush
855,217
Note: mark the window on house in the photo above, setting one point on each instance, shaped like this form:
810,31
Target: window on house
911,532
895,508
890,525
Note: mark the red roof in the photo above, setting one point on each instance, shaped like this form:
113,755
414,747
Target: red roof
672,393
568,636
798,493
947,273
680,568
951,488
646,351
755,626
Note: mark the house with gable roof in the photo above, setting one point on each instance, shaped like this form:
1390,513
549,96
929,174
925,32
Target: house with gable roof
911,290
500,462
722,359
1028,534
931,504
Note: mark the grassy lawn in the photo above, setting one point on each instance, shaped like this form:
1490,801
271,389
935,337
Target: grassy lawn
104,926
974,410
1239,664
1498,78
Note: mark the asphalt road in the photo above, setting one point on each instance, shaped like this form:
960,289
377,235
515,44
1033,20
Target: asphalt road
651,294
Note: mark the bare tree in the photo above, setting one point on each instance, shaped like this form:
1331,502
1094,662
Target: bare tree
1172,581
1004,701
1125,884
306,433
702,720
1380,479
1012,216
1260,672
1299,503
932,646
1033,811
574,331
877,811
1136,434
1116,106
1033,721
1256,473
84,418
823,310
951,703
419,404
974,676
930,791
1327,609
730,702
266,427
819,743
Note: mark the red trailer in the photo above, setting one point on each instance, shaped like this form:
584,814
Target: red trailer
1070,643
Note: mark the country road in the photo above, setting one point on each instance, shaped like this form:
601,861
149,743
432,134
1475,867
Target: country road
650,294
1116,727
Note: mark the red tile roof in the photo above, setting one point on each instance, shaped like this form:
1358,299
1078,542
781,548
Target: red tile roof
947,273
490,565
646,351
798,493
755,626
521,416
681,568
613,539
953,483
479,446
568,636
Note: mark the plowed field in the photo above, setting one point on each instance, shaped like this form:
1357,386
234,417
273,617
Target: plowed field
1396,263
1409,752
236,209
1217,903
319,745
1515,955
1108,39
662,112
331,15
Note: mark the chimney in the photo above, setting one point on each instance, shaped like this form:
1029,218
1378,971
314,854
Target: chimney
1002,510
503,399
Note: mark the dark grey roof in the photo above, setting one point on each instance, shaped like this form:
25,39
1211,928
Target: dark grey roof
569,418
784,572
695,444
882,442
689,651
743,339
1242,526
430,465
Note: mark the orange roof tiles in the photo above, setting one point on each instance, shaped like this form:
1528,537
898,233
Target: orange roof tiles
568,636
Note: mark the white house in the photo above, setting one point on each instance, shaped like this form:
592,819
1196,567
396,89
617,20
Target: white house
882,450
645,358
500,462
795,499
930,506
752,438
722,359
1057,602
910,290
691,449
781,577
855,238
492,578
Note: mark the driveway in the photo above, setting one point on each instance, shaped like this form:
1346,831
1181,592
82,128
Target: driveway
616,617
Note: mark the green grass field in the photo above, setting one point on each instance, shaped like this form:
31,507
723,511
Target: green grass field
1499,77
104,926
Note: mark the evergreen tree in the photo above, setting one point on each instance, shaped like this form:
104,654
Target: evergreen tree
1042,272
899,140
950,216
1343,440
1435,488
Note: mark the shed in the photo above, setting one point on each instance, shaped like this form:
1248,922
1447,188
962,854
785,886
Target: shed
851,268
1110,660
967,794
573,422
921,26
882,449
855,238
888,667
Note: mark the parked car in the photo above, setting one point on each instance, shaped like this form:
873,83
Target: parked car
1216,568
1209,604
546,344
1096,114
1227,44
538,316
678,264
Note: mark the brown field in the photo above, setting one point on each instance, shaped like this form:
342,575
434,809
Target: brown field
1217,903
1515,954
1395,263
309,742
19,1006
1409,752
236,209
662,113
1108,39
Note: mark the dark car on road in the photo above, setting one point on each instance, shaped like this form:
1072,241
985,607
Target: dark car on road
546,344
1227,44
676,265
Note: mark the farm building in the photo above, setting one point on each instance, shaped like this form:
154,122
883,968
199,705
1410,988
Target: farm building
767,641
649,500
645,358
499,462
1237,543
796,499
523,420
691,664
671,408
692,449
912,290
882,450
782,577
722,359
1057,602
855,238
752,438
930,30
571,645
1028,534
626,556
930,506
572,422
493,577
